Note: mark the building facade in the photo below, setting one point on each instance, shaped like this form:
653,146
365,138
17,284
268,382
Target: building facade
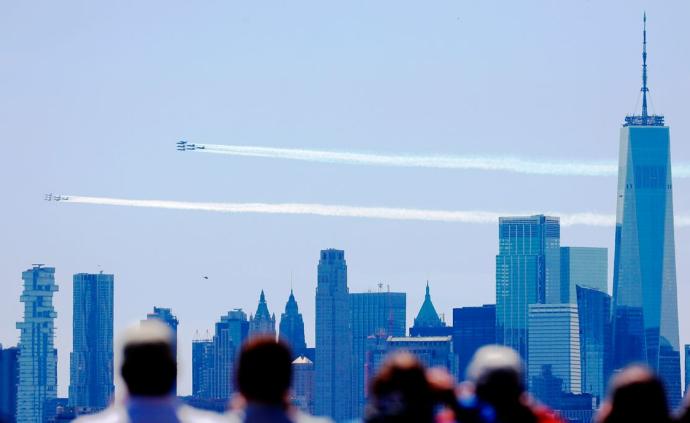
91,361
166,316
333,364
372,313
583,266
230,332
554,345
37,354
645,303
473,327
302,393
292,327
594,312
9,379
202,368
527,272
428,322
262,323
687,369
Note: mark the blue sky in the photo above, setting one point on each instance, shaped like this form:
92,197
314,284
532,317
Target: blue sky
94,97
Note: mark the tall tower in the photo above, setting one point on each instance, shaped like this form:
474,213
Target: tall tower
645,304
292,327
230,333
527,272
166,316
333,338
37,354
91,361
262,323
427,322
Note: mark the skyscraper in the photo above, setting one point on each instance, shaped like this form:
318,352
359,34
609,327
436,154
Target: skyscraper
427,322
91,361
292,327
9,379
645,304
687,369
302,392
262,322
230,333
166,316
372,313
37,354
202,368
583,266
594,311
527,272
333,338
554,344
473,327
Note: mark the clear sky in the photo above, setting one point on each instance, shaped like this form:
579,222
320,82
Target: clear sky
94,95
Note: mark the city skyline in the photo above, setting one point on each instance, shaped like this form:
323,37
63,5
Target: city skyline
456,258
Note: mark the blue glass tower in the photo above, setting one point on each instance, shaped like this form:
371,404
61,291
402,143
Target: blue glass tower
527,272
594,309
473,327
9,379
37,354
292,327
645,305
91,361
687,369
583,266
372,313
230,332
333,365
202,368
166,316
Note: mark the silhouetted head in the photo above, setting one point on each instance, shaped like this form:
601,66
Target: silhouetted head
264,371
400,392
635,394
497,373
149,368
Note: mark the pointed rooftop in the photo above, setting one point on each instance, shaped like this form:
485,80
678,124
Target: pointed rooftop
262,310
291,305
427,316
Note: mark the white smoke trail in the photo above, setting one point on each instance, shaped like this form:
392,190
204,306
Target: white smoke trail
469,216
506,164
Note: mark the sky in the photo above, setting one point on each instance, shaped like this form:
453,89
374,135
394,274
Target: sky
94,96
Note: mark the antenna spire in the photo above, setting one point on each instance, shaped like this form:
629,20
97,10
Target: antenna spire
645,90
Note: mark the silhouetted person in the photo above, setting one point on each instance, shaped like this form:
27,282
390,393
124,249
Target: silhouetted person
149,371
263,376
400,393
496,376
635,395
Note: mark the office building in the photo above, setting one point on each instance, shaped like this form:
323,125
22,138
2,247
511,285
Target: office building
594,312
91,361
427,322
230,333
292,327
554,345
37,354
473,327
645,303
583,266
432,351
202,368
166,316
687,369
262,323
302,392
333,364
527,272
9,379
372,313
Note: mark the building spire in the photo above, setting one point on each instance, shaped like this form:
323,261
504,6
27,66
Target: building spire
644,66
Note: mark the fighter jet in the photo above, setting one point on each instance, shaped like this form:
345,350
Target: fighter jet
181,145
185,146
52,197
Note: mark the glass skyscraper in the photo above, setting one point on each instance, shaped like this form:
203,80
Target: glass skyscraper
9,380
554,344
594,310
230,333
202,368
37,354
473,327
333,364
91,360
166,316
527,272
687,369
292,327
372,313
583,266
645,305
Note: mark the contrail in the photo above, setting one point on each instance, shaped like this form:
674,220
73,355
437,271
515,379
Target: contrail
487,163
388,213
